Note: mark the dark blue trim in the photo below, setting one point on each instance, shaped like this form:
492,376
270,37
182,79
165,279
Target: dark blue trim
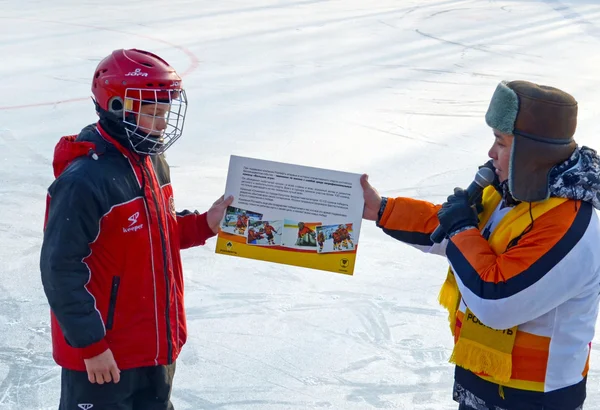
411,238
567,398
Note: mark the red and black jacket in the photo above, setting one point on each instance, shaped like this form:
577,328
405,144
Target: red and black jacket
110,259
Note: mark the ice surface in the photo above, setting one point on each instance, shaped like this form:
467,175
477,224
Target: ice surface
397,89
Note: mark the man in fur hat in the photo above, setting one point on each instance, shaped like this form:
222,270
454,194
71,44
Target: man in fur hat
523,286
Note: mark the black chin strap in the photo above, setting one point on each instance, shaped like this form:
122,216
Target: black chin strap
113,125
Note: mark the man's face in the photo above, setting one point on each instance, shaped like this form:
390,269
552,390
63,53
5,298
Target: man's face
153,118
500,153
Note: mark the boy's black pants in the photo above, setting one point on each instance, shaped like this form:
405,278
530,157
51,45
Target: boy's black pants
144,388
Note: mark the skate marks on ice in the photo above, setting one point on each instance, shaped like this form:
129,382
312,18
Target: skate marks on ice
458,43
492,42
477,47
418,138
26,364
568,13
356,387
232,305
407,373
27,370
21,177
335,66
23,186
24,373
392,364
493,39
456,69
261,380
228,305
194,400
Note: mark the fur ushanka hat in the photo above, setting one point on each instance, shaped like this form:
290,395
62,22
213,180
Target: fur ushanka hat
543,121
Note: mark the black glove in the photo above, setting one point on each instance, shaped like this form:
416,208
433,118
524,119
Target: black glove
478,204
457,213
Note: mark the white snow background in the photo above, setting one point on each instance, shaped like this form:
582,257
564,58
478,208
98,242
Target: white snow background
394,88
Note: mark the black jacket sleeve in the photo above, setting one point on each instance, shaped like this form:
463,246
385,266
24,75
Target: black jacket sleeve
72,224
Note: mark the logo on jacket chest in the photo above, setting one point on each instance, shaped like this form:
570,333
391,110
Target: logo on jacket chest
172,207
133,225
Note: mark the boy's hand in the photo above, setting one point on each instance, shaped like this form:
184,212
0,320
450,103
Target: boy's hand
102,368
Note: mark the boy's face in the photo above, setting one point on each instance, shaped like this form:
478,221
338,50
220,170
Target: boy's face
153,118
500,153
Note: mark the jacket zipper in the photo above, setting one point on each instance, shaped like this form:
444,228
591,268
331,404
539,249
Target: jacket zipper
114,290
170,260
147,208
165,265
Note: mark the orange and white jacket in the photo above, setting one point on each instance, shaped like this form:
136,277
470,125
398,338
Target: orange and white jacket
548,285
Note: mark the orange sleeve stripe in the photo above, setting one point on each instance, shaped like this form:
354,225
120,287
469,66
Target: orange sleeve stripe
411,215
492,276
410,220
387,212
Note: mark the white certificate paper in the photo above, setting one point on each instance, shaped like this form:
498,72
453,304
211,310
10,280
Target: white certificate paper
292,214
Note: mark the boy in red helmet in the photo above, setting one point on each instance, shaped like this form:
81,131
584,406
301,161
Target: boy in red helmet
110,259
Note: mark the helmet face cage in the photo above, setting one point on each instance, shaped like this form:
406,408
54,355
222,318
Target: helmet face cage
152,132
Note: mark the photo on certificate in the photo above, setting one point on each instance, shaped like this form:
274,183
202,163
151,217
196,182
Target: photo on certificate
265,233
335,238
292,214
236,220
300,234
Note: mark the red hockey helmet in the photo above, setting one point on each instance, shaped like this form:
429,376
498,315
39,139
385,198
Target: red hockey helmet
127,80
